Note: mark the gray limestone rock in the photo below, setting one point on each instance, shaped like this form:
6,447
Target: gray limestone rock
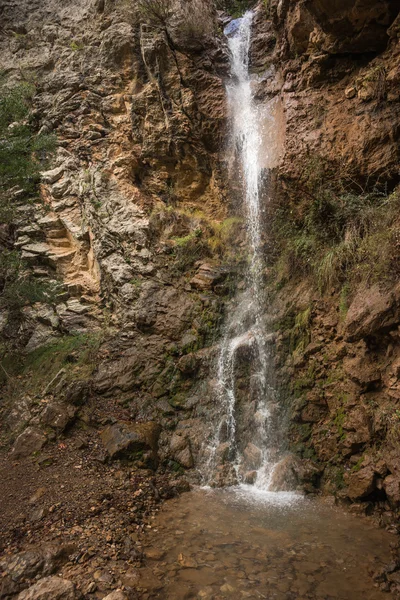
30,441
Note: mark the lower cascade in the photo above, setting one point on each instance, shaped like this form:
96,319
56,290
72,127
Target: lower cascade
246,445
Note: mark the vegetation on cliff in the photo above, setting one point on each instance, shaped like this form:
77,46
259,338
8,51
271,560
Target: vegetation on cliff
327,226
23,154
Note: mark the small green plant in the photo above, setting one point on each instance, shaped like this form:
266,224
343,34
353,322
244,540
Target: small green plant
76,46
305,381
75,353
181,242
188,250
300,334
355,468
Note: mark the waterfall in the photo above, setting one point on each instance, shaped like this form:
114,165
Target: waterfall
245,447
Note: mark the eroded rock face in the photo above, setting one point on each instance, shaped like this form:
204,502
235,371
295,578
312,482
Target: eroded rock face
340,26
141,124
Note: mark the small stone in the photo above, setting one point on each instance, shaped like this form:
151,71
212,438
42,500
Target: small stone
187,562
226,588
155,554
92,587
116,595
350,92
40,492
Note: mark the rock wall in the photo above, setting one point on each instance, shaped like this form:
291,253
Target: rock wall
135,221
132,206
335,69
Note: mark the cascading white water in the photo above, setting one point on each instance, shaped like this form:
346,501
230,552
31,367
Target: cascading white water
250,444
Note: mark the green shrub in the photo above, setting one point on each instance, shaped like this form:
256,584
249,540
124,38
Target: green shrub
23,153
236,8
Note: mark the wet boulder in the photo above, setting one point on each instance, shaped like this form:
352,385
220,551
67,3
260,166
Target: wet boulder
76,393
285,475
181,451
252,457
132,441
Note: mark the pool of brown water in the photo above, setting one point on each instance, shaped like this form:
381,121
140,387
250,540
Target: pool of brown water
217,544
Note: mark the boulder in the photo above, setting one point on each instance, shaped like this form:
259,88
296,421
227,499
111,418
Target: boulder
370,311
285,474
207,276
181,451
50,588
76,393
360,484
391,485
58,416
252,456
43,560
30,441
132,441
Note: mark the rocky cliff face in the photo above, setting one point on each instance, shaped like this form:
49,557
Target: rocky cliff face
335,69
136,223
132,207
